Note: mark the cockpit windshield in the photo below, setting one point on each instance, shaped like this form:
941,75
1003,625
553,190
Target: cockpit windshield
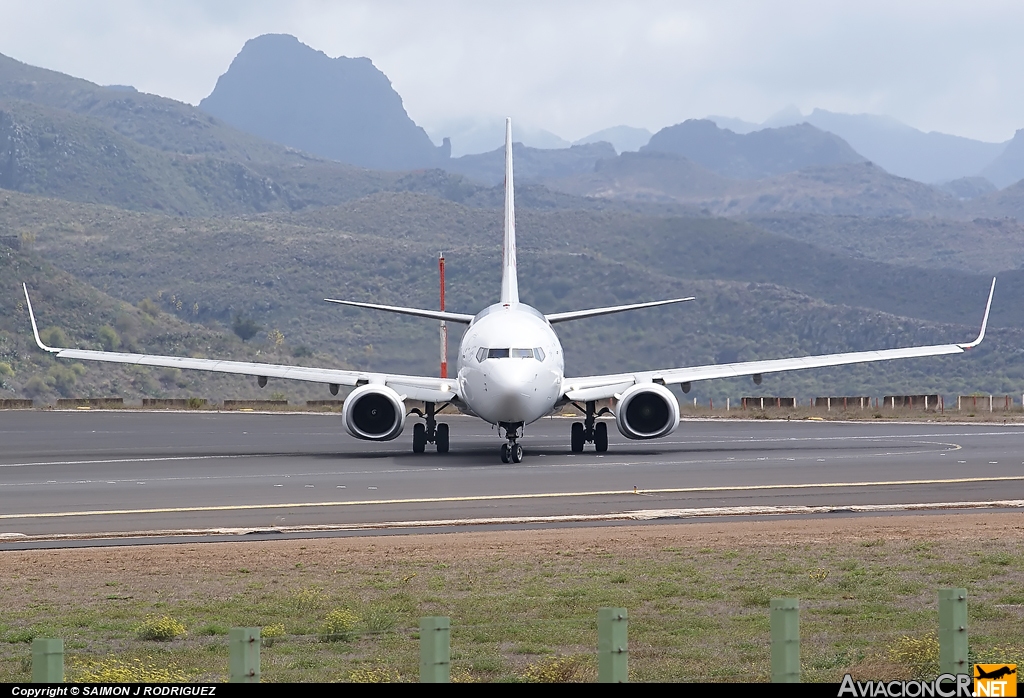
514,353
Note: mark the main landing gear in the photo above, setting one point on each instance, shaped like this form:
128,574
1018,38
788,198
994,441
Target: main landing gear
431,432
590,431
511,452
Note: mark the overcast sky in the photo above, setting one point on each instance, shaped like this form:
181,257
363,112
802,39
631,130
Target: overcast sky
576,67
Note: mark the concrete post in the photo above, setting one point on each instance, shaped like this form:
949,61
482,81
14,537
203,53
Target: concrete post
244,655
953,631
47,661
612,646
785,629
435,649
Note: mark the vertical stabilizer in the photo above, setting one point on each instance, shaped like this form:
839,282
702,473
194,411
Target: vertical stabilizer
509,280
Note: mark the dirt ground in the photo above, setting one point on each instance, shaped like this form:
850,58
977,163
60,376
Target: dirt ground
697,595
86,564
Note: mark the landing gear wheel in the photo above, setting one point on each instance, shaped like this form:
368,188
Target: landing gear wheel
578,438
601,437
419,438
506,456
516,453
442,438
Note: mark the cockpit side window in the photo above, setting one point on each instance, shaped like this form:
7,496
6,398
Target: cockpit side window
538,353
481,354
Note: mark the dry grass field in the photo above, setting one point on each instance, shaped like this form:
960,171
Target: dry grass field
523,604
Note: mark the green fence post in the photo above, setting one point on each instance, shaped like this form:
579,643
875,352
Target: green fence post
47,661
785,625
612,645
244,663
435,649
953,631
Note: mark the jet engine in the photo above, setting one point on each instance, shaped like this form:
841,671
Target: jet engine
647,411
374,413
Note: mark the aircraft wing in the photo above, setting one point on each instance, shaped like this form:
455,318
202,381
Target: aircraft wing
413,387
601,387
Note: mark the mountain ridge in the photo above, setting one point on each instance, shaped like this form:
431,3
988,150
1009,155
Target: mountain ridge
756,155
340,108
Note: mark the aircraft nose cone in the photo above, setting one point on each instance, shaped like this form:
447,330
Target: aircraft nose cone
514,390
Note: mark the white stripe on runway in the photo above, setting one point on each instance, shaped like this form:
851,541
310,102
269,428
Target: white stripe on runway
639,515
496,497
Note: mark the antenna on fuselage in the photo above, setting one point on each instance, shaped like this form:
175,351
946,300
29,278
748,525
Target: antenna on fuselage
509,281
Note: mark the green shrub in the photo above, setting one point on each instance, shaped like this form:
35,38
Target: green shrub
109,338
374,675
35,386
309,599
272,633
339,625
557,670
113,670
161,629
149,307
919,654
54,337
5,369
62,379
245,328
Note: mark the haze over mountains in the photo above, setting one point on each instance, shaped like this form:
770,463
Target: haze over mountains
345,109
340,108
900,149
303,175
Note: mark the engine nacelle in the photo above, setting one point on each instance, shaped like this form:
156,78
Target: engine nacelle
647,411
374,413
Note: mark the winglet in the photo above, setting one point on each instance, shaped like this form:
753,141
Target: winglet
984,321
35,329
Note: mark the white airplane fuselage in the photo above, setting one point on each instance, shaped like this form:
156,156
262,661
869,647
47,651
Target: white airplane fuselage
510,366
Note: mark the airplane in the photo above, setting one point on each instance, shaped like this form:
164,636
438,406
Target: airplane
511,370
997,674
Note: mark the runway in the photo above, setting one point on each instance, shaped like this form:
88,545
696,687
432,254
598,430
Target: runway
139,475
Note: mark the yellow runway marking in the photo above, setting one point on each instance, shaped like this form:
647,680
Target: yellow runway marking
498,497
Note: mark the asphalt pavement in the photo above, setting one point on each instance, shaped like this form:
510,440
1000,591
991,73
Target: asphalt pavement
138,476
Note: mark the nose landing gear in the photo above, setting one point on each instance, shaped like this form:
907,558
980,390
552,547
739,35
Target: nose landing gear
431,432
590,431
511,452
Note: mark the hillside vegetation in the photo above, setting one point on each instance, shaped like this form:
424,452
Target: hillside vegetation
148,225
76,314
277,268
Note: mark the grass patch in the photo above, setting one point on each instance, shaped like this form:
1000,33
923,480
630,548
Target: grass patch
522,607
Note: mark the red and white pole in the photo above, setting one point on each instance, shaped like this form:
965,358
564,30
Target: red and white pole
444,325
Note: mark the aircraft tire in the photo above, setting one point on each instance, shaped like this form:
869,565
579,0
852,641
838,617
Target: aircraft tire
506,456
516,453
578,439
419,438
442,438
601,437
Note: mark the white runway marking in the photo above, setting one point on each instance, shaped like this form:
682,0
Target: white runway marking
154,459
496,497
609,464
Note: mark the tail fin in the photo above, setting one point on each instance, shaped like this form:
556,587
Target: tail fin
509,280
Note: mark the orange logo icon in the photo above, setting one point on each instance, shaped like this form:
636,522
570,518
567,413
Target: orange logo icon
995,679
